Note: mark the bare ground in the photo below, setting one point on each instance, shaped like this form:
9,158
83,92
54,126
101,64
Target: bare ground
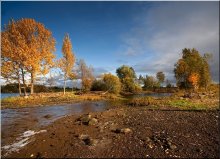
129,132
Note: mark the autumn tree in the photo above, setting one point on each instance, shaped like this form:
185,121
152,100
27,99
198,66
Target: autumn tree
127,77
150,82
194,79
66,63
192,62
29,46
85,73
112,83
160,77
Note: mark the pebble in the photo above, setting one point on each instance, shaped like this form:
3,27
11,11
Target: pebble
126,130
93,121
150,145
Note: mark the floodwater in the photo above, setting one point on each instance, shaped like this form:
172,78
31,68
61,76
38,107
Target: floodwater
17,123
6,95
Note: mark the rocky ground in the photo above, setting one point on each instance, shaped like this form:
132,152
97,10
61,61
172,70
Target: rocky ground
129,132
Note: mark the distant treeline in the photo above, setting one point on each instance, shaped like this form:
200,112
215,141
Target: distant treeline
13,88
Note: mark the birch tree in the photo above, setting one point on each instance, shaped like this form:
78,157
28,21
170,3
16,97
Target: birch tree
66,63
29,46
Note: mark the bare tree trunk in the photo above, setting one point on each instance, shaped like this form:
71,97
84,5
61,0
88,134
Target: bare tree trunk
64,87
19,83
18,78
72,87
32,83
22,72
19,86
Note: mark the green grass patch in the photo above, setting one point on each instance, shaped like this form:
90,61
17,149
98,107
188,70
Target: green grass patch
186,104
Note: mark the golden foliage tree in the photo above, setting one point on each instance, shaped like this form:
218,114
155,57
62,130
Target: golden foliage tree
194,79
67,62
192,62
29,46
112,83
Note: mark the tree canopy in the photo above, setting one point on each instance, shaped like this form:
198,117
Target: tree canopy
190,64
160,77
112,83
150,82
127,77
27,47
66,63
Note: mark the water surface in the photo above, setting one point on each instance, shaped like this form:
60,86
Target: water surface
16,121
6,95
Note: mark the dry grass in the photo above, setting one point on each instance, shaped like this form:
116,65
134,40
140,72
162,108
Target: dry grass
42,99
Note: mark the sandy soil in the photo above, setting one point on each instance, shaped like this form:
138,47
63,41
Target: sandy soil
129,132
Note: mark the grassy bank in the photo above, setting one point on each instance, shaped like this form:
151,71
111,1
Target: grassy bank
43,99
178,101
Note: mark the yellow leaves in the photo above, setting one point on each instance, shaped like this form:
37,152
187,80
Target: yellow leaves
193,79
182,66
66,63
72,75
29,43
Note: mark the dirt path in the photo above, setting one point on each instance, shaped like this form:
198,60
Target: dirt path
129,132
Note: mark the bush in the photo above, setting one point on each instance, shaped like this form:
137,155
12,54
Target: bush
112,83
108,83
98,85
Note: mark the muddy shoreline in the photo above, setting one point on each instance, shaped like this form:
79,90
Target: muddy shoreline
128,132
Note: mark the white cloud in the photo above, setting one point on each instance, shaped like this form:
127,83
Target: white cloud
165,29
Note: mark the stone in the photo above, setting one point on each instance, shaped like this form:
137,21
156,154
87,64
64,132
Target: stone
117,130
126,130
83,137
93,142
150,145
172,146
87,140
47,116
85,119
93,121
26,97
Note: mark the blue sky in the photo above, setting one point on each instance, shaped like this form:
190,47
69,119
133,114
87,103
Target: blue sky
148,36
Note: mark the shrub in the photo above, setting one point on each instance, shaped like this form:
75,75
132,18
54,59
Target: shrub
112,83
98,85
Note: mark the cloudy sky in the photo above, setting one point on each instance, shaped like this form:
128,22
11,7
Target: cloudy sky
149,36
